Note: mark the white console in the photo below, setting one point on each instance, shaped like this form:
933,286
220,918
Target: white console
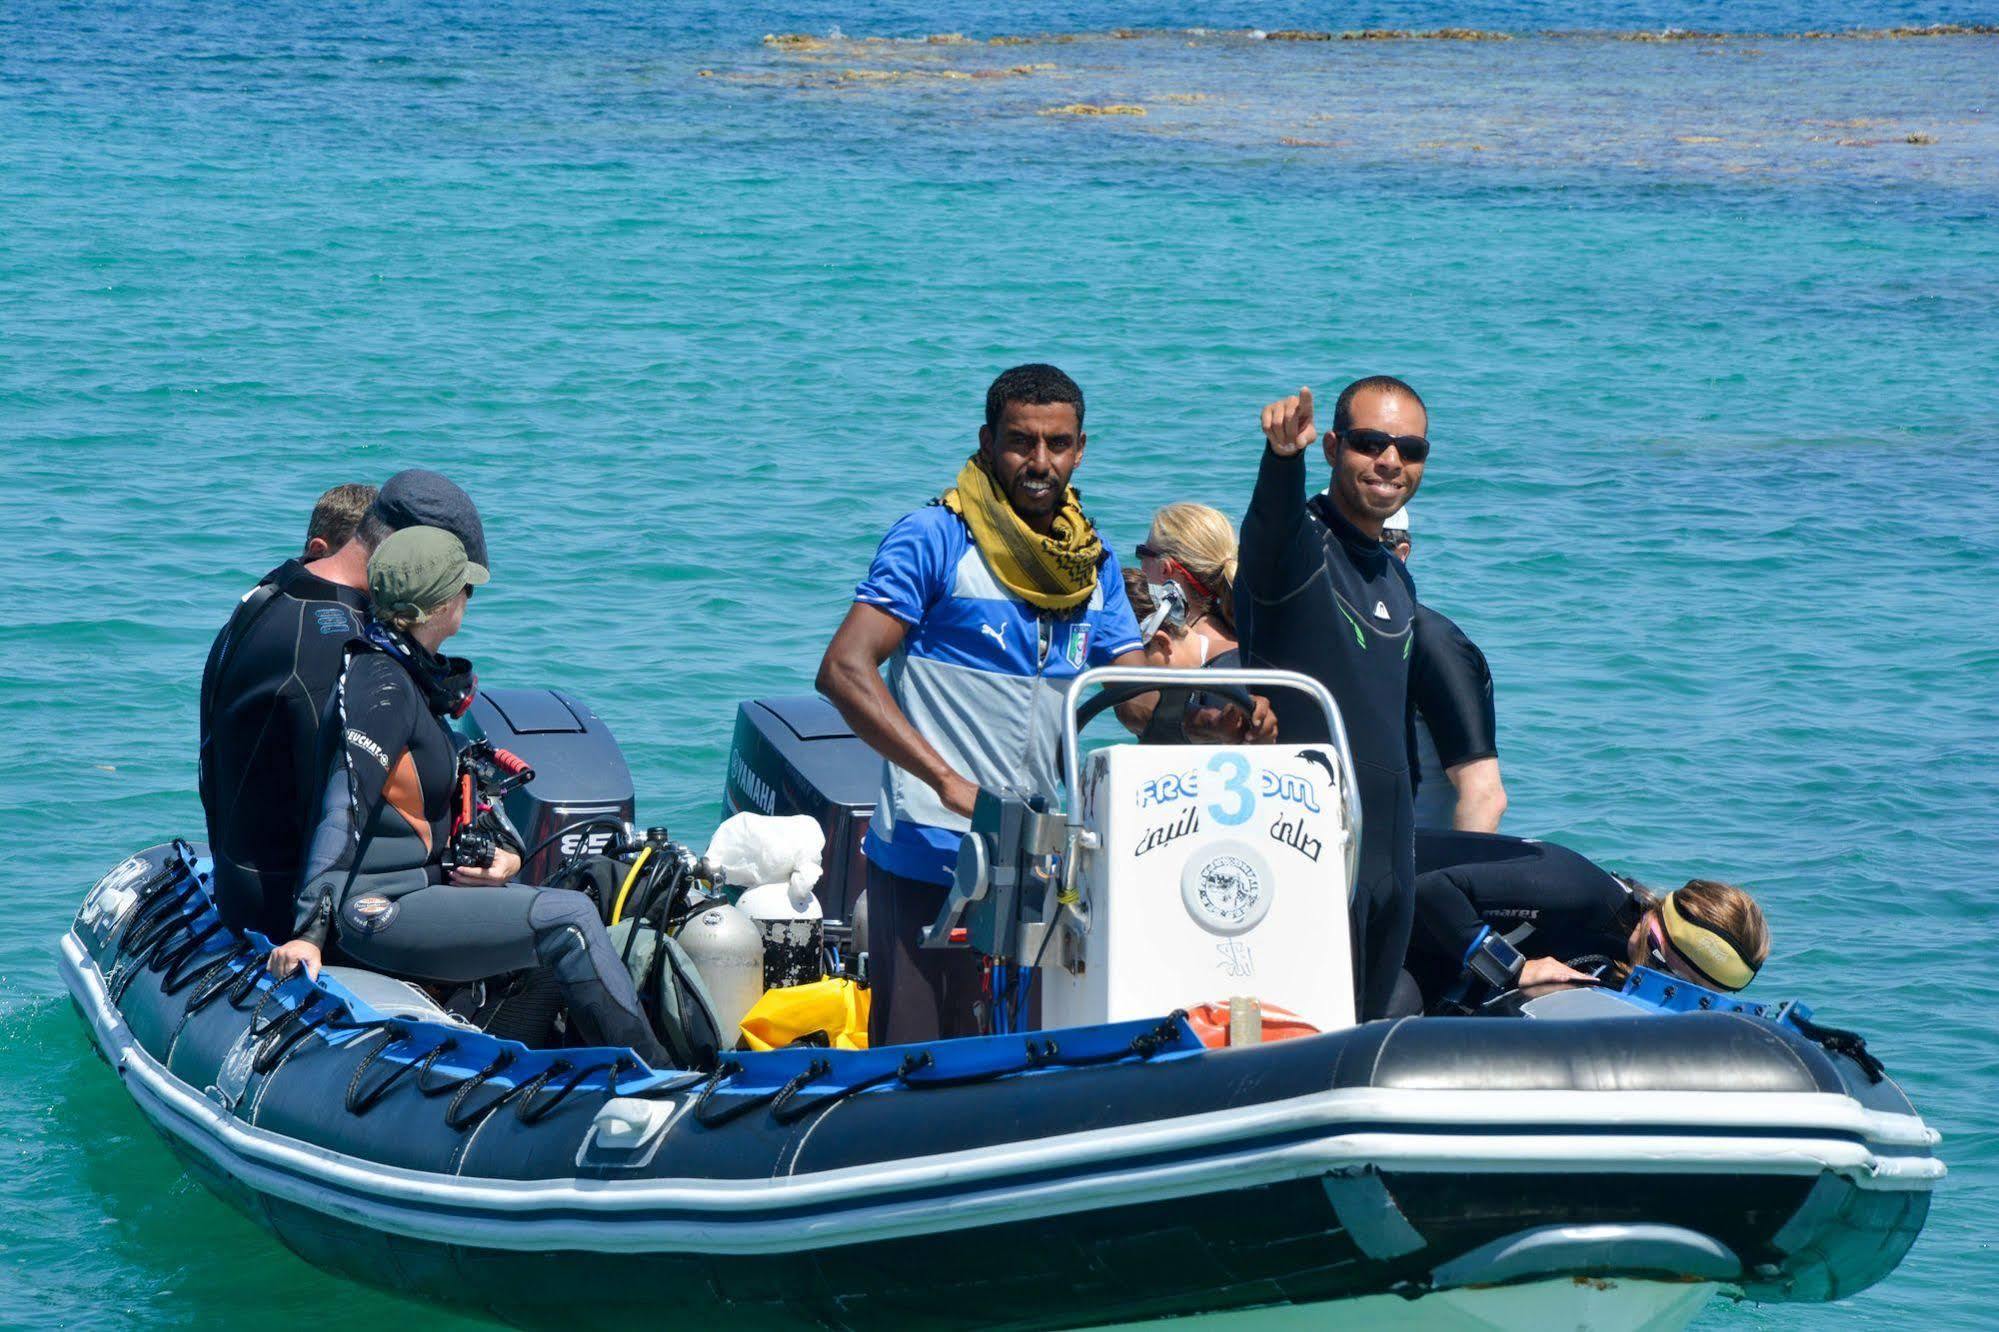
1205,872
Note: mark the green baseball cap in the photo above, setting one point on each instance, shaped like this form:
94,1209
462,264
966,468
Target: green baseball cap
418,569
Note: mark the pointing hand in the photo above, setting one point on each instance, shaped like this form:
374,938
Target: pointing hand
1287,423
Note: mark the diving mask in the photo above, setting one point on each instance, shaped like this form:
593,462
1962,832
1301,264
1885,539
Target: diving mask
1169,605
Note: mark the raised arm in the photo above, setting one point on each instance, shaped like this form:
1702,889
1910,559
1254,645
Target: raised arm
1277,506
850,676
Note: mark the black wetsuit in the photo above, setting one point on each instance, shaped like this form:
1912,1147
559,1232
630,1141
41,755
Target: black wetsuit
269,678
374,877
1315,595
1450,696
1546,899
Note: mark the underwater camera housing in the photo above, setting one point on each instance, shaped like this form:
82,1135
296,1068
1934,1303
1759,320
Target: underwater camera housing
580,775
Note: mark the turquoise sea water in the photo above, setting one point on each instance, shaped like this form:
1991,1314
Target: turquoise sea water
1707,327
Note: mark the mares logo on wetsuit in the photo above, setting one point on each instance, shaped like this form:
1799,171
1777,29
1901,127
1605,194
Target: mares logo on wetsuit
371,914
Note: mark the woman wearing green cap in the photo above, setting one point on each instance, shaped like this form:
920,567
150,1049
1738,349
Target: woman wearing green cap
375,879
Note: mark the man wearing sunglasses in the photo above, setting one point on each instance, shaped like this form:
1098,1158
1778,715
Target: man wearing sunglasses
1318,593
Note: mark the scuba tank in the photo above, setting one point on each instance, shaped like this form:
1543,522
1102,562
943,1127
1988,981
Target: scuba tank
793,931
727,949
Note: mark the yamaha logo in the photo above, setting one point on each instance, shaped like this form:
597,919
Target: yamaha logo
1228,891
753,787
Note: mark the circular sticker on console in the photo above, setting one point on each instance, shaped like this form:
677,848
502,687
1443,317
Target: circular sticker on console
1227,888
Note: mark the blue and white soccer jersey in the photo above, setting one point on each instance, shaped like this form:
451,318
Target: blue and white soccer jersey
981,674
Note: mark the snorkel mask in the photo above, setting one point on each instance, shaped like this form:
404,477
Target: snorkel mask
1169,605
1716,957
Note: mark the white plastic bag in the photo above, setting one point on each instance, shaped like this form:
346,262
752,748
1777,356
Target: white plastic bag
760,851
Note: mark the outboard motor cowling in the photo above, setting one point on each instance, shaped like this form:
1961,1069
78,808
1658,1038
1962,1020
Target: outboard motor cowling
580,774
798,756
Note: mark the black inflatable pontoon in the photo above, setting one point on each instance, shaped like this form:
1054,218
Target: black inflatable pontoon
1053,1179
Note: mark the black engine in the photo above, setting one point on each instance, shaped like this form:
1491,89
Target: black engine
798,756
579,774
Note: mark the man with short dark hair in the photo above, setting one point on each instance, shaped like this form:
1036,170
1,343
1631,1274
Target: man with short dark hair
265,688
1316,592
1453,726
334,518
984,605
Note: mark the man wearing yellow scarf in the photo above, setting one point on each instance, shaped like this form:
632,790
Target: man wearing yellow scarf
983,604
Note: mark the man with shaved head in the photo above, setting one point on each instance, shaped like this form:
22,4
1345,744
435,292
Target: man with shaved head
1318,593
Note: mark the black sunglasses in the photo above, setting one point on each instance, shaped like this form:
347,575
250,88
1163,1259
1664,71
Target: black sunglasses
1374,443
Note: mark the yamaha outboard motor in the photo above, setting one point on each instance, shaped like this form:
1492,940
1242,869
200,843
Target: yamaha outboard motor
798,756
580,775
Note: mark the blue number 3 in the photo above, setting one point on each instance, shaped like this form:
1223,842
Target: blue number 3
1237,784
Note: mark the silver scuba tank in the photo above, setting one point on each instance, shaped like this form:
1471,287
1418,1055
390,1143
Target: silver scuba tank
727,949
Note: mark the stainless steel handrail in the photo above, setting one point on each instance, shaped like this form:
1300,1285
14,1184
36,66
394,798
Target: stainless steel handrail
1171,677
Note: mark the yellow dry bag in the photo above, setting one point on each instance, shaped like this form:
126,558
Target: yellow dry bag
833,1012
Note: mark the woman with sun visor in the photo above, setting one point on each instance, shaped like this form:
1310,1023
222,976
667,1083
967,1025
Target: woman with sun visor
1497,913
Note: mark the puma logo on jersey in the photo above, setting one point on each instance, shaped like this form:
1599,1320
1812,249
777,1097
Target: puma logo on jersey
998,634
1380,610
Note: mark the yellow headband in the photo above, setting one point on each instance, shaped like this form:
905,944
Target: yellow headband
1710,952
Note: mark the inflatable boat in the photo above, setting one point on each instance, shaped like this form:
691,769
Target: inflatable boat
1583,1157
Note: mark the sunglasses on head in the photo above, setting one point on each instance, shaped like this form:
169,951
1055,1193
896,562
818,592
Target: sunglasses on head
1148,551
1374,443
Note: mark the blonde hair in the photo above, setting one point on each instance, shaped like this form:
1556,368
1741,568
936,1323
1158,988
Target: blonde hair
1203,540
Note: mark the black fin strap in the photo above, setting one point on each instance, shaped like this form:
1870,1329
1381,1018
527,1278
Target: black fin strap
725,1070
173,959
212,972
245,986
359,1102
153,899
219,977
453,1113
793,1110
815,1070
775,1097
282,1041
532,1113
155,918
423,1067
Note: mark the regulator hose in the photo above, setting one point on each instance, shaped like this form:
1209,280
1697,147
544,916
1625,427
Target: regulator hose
625,889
